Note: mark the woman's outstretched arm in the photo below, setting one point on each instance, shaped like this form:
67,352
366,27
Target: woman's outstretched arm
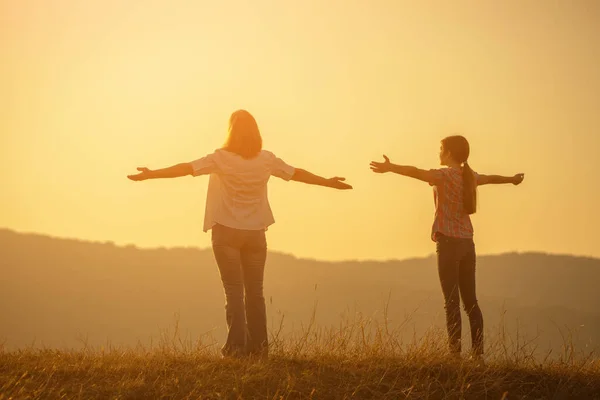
411,172
498,179
175,171
301,175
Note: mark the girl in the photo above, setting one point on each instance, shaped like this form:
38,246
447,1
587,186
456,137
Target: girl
455,196
238,212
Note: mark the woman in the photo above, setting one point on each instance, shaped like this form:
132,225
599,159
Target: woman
238,212
455,199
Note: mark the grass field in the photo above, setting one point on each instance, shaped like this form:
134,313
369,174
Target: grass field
350,362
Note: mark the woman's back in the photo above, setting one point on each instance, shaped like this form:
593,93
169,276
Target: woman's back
237,190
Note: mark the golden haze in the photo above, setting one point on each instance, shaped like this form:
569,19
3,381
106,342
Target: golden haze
91,90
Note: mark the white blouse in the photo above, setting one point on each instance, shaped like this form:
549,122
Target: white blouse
237,188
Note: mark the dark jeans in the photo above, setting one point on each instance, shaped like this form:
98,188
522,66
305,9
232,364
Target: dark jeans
456,267
241,257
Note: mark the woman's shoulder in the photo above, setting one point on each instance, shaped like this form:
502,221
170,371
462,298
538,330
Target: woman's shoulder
267,156
226,155
266,153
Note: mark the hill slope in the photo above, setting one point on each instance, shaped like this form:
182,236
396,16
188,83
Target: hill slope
122,375
63,293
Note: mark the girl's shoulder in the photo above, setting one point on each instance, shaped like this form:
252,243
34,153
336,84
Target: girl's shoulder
443,172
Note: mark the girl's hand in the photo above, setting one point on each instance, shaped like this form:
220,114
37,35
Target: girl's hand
379,167
338,183
517,179
142,176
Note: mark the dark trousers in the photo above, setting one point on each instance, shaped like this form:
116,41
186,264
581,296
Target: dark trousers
456,267
241,257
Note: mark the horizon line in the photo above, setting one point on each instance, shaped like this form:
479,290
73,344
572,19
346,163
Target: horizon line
356,260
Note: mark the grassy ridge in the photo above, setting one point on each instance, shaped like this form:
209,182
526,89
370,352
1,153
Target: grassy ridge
129,375
354,361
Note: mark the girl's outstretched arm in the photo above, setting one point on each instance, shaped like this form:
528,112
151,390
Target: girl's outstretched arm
301,175
498,179
412,172
175,171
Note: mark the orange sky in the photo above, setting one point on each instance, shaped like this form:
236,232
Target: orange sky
93,89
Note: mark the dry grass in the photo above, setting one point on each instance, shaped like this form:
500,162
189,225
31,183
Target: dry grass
360,359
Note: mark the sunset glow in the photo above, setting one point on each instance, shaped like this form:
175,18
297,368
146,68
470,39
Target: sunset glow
93,89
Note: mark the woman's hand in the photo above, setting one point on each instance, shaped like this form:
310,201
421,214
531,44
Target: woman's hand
338,183
302,175
517,179
142,176
381,167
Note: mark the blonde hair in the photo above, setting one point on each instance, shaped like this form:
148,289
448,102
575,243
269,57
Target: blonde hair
244,136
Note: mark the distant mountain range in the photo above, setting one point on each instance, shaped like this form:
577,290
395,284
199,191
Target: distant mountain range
61,293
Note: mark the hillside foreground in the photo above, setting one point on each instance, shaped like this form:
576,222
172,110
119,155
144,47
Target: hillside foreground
343,363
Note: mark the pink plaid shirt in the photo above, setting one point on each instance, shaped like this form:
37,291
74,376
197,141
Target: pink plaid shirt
450,218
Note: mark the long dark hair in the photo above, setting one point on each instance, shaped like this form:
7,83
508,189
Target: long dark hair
458,148
244,136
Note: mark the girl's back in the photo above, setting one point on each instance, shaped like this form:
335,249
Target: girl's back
451,218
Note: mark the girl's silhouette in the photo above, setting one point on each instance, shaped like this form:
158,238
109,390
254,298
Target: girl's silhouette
455,196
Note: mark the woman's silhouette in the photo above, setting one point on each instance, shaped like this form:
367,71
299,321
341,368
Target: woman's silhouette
238,212
455,199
